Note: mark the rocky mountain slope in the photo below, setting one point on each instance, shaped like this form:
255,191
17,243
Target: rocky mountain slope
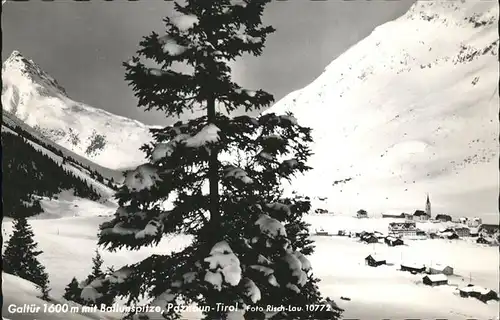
34,97
411,109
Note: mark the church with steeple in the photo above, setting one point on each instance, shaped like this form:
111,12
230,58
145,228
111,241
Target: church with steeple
428,206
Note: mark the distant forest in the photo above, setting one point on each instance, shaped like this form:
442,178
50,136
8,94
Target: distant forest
93,173
28,173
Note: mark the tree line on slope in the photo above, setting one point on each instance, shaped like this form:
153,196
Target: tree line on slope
29,174
93,173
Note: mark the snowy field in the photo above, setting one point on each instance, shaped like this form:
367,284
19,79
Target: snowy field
68,235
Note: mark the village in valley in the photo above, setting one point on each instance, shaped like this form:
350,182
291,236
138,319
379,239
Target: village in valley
404,230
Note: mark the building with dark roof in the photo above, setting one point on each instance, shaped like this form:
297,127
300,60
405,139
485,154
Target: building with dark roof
420,215
443,217
441,269
413,267
488,228
435,280
393,241
374,260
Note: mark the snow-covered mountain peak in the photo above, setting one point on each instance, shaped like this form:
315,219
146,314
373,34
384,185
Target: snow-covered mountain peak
33,96
21,71
409,110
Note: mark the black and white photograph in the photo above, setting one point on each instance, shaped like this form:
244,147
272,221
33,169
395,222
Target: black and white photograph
250,160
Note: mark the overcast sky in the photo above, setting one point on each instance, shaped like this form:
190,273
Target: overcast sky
83,44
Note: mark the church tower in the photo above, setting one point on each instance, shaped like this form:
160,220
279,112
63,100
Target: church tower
428,206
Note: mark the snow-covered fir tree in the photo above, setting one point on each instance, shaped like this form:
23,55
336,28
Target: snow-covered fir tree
222,175
44,287
99,294
20,257
96,267
72,291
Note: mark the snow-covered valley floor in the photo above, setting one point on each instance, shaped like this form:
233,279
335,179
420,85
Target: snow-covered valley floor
68,236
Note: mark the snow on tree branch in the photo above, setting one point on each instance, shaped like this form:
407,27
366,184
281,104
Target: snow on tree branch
118,229
293,287
209,134
252,291
152,229
171,47
185,22
288,119
270,226
163,150
265,270
224,266
143,177
120,275
263,260
272,281
305,263
295,265
280,207
237,173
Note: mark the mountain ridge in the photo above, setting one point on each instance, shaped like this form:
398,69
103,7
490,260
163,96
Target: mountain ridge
38,100
409,110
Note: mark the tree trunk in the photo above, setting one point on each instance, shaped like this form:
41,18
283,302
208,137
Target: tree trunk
213,173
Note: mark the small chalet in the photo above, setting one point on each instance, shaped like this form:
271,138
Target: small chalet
443,218
368,238
392,241
420,215
479,293
413,267
435,280
361,214
489,229
483,240
487,295
441,269
465,291
462,231
374,261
